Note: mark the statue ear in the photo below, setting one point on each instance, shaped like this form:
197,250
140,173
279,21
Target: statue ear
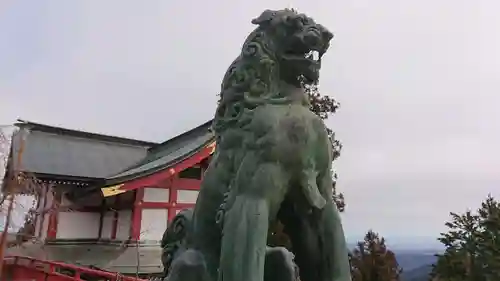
265,17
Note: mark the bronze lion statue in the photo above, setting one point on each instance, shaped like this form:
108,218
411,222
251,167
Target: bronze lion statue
272,162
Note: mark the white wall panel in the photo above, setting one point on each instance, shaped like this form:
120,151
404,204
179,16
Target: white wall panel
107,224
156,195
187,196
154,223
78,225
124,223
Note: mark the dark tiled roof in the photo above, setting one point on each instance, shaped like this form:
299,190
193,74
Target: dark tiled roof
166,154
57,151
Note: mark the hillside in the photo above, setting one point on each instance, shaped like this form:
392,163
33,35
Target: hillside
410,260
416,264
417,274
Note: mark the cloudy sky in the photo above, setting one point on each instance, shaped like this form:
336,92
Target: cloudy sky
416,80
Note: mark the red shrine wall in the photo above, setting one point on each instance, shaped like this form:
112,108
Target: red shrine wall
108,219
160,204
155,206
116,225
74,223
154,220
141,214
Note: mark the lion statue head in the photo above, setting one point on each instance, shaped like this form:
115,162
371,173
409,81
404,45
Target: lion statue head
296,42
285,48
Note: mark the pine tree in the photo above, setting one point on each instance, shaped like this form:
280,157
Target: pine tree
371,260
489,238
472,245
459,261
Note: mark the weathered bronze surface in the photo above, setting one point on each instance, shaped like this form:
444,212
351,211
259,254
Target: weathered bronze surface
272,162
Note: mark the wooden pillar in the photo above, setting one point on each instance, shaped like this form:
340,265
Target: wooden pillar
45,192
101,217
135,225
116,217
54,214
172,197
39,197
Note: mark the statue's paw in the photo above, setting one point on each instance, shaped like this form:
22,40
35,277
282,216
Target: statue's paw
189,266
279,265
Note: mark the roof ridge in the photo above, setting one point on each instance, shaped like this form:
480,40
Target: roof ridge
159,145
80,133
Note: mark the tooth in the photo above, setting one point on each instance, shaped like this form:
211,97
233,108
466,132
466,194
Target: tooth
315,55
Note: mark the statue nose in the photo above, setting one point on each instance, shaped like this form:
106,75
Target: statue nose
312,37
328,36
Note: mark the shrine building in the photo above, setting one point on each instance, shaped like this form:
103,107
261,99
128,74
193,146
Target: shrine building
105,201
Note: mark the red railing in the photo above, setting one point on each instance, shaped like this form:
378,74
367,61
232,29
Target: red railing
26,268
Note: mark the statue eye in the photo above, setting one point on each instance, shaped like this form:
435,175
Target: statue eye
288,20
299,23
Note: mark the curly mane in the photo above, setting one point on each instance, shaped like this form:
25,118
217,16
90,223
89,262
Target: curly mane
251,80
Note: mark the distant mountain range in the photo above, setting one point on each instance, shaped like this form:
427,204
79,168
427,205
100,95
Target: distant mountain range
418,274
416,263
414,259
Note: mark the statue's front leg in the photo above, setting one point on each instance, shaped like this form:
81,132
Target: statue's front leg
334,257
255,197
206,234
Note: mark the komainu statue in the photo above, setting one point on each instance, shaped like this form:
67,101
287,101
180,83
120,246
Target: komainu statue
272,162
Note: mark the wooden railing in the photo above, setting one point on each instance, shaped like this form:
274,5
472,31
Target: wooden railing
26,268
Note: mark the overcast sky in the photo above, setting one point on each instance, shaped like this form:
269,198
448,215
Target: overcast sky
416,79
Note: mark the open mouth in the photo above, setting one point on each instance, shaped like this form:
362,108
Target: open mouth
304,54
303,57
313,55
301,50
